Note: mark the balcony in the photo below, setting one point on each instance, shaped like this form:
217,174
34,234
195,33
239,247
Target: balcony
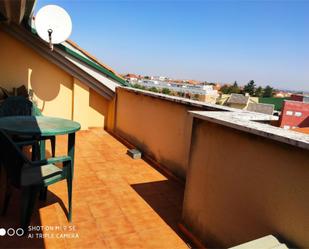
240,172
211,176
118,202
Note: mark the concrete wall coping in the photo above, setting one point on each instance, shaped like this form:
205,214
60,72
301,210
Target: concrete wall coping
194,103
245,121
235,118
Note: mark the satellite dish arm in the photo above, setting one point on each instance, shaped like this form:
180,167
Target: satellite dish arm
50,31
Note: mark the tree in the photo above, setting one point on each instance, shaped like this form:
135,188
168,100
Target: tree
235,88
259,92
250,87
225,89
166,91
268,92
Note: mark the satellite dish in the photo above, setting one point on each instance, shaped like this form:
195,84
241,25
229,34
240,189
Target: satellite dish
53,24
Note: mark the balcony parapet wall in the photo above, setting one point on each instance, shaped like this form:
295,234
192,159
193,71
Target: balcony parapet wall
245,180
244,177
161,125
250,123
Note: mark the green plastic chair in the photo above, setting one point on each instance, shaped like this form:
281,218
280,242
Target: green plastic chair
31,176
21,106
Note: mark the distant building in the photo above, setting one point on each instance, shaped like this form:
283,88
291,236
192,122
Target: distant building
294,114
277,102
204,93
261,108
208,98
160,78
300,97
217,87
192,82
282,94
246,102
131,77
238,101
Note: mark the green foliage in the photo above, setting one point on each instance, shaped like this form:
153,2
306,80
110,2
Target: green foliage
153,89
181,94
259,92
138,86
225,89
235,88
230,89
268,92
196,96
166,91
250,88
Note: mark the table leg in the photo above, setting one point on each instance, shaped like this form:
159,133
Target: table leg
71,149
71,152
42,150
43,191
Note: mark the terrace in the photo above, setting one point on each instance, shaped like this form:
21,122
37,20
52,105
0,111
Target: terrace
118,202
211,176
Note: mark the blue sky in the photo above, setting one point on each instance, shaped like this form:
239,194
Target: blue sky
218,41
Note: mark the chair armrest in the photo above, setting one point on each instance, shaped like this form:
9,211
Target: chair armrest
32,141
52,160
46,138
26,142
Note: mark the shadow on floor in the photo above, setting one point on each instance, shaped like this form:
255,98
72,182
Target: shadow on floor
165,198
12,220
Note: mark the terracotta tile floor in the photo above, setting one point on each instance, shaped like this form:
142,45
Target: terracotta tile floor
118,202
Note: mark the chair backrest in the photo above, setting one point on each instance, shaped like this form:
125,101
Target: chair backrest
36,111
16,106
11,157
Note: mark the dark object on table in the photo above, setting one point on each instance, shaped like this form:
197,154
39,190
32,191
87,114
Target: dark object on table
16,106
22,91
17,91
2,94
134,153
31,176
5,93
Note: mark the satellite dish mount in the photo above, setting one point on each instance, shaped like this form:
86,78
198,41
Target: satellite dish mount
50,31
53,24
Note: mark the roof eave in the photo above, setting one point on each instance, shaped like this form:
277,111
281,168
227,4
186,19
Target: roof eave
16,11
55,57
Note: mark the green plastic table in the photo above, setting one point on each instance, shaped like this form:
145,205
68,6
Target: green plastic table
40,126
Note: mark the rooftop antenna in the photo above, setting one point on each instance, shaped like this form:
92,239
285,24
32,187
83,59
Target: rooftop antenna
53,25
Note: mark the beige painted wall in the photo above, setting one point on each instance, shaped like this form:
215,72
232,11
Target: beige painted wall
237,106
21,65
111,114
56,92
90,108
208,98
81,103
241,187
158,127
98,110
